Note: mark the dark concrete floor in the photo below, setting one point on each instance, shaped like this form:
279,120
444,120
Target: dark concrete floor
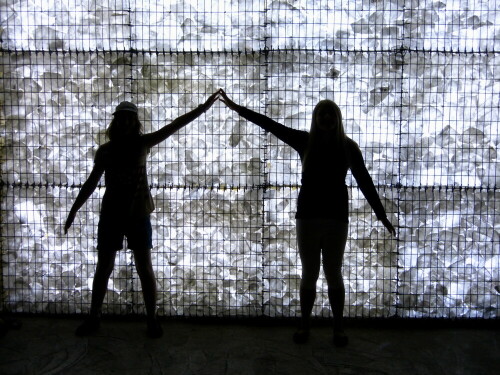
47,345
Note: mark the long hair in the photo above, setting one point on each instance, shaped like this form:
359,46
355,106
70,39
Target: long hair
335,147
124,126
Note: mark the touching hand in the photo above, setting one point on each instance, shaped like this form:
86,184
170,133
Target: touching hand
69,221
389,226
210,101
228,101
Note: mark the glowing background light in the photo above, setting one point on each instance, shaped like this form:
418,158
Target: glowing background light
418,86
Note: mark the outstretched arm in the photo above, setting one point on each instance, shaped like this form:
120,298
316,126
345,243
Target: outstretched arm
156,137
292,137
84,194
367,187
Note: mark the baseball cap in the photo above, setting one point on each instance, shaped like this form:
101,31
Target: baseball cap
126,106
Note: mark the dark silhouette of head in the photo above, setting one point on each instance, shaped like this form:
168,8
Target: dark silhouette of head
125,124
326,137
327,121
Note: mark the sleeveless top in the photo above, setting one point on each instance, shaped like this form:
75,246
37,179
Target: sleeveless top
323,192
127,193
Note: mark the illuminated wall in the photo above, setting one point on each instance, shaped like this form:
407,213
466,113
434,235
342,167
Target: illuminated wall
418,84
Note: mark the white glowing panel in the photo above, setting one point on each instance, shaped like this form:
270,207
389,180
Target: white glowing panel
207,252
341,25
114,25
66,25
451,134
449,260
197,25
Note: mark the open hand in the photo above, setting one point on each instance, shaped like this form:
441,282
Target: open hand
210,101
389,226
69,221
224,99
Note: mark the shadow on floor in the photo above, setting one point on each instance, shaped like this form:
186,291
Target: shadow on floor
47,345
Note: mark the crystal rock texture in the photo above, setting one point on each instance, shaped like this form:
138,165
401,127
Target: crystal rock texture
417,82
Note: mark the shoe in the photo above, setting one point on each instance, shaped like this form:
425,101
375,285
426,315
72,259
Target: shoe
301,336
89,326
340,339
154,329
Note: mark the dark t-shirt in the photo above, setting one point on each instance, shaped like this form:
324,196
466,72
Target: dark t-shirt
323,193
127,190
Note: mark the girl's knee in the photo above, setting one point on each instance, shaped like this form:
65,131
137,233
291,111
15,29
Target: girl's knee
335,281
144,269
309,280
104,270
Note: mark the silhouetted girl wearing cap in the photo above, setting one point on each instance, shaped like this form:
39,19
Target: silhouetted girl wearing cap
322,210
126,205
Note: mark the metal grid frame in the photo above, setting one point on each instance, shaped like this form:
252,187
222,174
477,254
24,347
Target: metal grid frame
418,92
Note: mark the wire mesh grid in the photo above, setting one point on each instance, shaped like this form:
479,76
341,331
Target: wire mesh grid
417,85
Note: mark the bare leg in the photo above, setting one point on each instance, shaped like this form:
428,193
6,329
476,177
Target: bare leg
310,256
149,292
105,264
307,298
148,281
336,295
333,253
337,300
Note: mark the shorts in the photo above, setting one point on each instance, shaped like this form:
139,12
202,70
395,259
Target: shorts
321,239
110,233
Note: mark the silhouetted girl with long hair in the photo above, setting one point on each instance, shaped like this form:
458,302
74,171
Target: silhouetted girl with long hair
322,210
126,205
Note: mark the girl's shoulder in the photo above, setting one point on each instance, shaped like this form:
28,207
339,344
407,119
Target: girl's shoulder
350,143
128,145
103,149
104,146
352,151
351,146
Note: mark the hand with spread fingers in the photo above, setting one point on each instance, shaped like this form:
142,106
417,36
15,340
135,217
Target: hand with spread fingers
225,99
389,226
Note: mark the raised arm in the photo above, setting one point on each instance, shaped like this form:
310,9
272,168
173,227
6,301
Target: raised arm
86,191
292,137
365,183
158,136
